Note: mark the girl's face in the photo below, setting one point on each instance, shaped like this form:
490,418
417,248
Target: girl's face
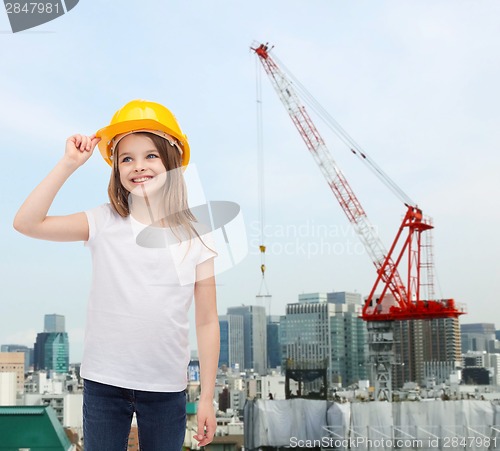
140,166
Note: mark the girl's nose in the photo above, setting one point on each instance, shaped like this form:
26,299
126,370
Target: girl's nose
139,167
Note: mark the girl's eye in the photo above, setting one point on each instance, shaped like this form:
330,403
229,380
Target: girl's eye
126,159
152,155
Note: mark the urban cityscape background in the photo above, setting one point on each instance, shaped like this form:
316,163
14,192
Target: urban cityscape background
317,350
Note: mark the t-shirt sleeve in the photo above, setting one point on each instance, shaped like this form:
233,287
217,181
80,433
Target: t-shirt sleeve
207,248
97,219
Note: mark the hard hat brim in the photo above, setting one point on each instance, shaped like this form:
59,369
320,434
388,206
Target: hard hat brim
108,133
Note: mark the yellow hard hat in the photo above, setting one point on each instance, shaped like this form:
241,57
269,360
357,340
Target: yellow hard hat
141,115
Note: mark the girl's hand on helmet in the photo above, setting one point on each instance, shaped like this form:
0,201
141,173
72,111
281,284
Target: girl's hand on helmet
79,148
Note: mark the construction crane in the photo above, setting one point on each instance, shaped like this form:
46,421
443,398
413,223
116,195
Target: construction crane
391,297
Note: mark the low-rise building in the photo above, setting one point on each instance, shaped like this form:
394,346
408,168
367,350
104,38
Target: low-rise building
13,362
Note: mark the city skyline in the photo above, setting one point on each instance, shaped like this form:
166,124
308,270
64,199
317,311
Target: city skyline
478,337
415,84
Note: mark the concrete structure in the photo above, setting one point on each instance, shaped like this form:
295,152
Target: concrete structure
13,362
474,359
494,367
8,389
273,386
237,392
61,392
40,383
438,372
67,407
483,360
317,330
232,350
72,410
237,399
255,336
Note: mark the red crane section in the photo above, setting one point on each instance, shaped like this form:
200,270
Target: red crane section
390,298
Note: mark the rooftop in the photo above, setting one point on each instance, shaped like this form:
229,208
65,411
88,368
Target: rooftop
32,427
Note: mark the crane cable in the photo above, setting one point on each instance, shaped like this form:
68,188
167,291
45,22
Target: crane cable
260,181
355,148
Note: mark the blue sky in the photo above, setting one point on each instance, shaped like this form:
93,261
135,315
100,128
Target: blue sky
415,83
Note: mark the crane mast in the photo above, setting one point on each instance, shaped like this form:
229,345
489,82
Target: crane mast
405,302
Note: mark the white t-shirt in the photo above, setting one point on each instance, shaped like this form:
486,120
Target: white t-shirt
136,334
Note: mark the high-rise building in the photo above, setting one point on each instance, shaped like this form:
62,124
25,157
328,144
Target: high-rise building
232,350
478,337
422,343
52,352
255,336
54,323
325,328
52,346
273,341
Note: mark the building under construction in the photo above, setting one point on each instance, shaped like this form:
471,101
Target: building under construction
425,349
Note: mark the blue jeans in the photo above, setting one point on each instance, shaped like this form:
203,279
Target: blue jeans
108,411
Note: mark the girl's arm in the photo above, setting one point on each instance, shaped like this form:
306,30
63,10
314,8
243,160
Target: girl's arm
32,219
207,333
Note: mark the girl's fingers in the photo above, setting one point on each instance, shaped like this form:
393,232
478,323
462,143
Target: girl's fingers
84,143
95,141
77,139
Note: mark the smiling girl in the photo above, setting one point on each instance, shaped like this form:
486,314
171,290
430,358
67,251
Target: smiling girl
136,341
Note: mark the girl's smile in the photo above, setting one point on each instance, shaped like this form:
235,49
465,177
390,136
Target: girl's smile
142,179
